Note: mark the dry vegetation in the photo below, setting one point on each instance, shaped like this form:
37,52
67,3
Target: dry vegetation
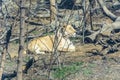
97,59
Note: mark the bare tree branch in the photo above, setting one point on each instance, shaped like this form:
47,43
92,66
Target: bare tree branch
106,11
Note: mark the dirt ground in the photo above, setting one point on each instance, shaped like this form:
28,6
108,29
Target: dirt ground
95,67
105,67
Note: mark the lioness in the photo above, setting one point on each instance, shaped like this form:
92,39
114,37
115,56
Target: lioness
42,44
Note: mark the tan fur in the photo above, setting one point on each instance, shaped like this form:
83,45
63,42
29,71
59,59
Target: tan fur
45,43
69,29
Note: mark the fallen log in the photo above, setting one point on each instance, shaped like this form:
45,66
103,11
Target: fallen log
92,37
106,30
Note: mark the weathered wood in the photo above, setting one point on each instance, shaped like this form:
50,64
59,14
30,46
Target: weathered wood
91,37
105,31
106,11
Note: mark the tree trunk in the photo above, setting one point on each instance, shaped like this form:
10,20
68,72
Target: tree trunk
91,6
2,62
0,7
84,19
53,17
53,10
3,56
21,39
